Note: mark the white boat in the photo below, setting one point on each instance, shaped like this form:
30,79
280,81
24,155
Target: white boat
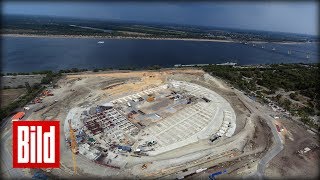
100,42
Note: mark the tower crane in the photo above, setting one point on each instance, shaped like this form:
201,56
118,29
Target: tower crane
74,147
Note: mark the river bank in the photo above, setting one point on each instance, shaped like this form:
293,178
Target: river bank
142,38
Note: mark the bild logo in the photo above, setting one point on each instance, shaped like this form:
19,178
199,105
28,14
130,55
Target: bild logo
36,144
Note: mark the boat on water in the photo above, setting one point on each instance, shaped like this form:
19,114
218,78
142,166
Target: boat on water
273,49
100,42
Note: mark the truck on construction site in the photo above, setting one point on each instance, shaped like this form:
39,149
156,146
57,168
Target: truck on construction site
150,143
26,108
36,100
214,137
47,93
206,99
125,148
212,176
200,170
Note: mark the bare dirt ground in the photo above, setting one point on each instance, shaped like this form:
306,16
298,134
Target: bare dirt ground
19,80
254,149
252,137
9,95
87,90
288,163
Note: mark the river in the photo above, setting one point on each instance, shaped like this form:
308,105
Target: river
27,54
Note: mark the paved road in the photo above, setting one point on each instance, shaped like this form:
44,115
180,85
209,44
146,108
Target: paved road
278,141
6,156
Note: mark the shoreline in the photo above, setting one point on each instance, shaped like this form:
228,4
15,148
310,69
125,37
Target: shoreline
139,38
115,70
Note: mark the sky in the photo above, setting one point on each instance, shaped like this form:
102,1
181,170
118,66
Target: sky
294,17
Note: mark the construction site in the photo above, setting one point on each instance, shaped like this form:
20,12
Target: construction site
152,124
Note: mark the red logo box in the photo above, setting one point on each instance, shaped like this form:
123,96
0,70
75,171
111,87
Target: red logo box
36,144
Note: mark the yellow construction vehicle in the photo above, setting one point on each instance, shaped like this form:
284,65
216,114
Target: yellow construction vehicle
74,147
150,98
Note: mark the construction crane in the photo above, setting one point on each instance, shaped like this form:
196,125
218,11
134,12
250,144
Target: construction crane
73,147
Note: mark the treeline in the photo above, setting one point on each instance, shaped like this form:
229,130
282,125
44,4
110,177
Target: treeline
72,70
129,68
234,75
290,77
300,78
50,76
76,70
45,26
25,73
32,92
22,101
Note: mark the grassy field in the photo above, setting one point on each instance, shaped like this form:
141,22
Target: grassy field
9,95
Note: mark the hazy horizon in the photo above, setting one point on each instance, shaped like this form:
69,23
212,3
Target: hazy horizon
288,17
159,23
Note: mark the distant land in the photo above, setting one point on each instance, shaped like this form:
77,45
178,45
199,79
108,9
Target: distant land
40,26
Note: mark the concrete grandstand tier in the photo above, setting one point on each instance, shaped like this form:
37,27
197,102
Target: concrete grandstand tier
201,120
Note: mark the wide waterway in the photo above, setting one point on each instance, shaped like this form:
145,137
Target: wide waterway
26,54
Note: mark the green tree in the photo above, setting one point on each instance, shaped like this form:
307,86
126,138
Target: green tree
29,89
